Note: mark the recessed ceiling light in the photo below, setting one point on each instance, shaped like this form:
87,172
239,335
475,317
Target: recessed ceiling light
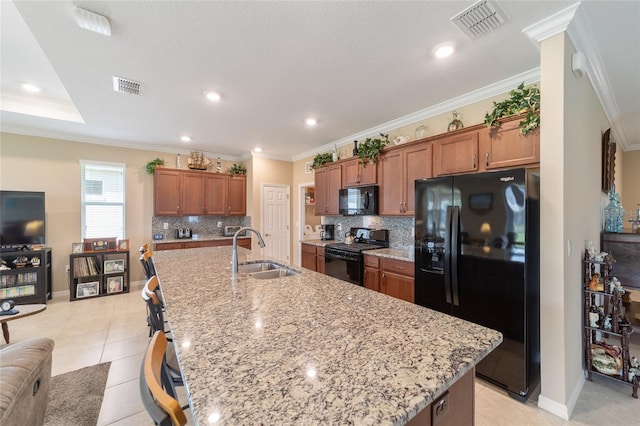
311,121
443,50
31,88
185,138
213,96
257,149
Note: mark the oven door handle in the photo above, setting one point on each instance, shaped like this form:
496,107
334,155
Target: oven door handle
337,256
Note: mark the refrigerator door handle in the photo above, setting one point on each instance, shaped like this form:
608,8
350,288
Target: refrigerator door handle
447,256
455,252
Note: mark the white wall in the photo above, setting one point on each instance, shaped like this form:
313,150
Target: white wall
572,123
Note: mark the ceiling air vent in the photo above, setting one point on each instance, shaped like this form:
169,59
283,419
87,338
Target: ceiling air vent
480,18
124,85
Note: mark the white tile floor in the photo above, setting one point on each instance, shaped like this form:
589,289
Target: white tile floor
114,329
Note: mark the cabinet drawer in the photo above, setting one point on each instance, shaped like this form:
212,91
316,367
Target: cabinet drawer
320,251
398,266
168,246
371,262
310,249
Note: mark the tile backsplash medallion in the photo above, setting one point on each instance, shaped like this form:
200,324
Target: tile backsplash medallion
401,229
199,225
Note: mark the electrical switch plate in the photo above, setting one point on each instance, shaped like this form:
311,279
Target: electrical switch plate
219,224
165,225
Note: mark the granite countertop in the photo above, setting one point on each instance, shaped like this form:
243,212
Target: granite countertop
306,349
319,243
398,254
200,238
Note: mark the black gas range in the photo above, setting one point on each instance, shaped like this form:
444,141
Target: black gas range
345,261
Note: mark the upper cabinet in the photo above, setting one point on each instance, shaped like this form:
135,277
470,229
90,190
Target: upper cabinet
356,174
455,154
328,181
167,192
399,168
505,146
186,193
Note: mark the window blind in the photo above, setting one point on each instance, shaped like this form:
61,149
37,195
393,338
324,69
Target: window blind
103,199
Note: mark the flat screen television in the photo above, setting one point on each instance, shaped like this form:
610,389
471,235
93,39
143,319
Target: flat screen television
21,218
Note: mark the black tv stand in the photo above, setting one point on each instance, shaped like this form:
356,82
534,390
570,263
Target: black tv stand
29,278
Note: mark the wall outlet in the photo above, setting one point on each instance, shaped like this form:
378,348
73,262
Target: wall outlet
165,225
219,224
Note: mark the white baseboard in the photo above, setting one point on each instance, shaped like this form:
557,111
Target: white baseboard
561,410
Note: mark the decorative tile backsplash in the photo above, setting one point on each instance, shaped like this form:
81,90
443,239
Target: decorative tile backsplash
401,229
200,225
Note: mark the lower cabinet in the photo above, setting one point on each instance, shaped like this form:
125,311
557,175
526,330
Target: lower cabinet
242,242
389,276
312,257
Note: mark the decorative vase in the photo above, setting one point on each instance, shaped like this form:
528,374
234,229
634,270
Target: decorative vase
355,148
613,213
421,131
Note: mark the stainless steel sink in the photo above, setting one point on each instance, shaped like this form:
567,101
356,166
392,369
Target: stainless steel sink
274,273
257,266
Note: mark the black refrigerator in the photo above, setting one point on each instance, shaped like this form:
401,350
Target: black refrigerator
477,258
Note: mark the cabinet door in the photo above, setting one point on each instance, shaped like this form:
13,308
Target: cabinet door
216,194
168,246
334,183
456,154
193,193
350,173
309,257
391,183
368,174
372,279
167,190
505,146
321,190
238,195
417,165
398,286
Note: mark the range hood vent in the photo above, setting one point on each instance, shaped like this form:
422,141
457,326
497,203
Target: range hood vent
124,85
480,18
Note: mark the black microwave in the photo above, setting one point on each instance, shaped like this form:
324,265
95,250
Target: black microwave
360,201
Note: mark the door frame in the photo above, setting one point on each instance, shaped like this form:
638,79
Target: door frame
287,210
301,219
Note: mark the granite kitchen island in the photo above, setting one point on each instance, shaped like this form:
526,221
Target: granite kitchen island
308,348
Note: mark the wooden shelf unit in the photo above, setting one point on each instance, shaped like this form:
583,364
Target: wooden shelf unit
97,274
26,282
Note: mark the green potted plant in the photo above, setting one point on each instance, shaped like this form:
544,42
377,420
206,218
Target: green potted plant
237,169
151,165
370,149
521,100
322,159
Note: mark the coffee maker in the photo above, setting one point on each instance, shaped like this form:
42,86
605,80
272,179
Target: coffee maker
327,232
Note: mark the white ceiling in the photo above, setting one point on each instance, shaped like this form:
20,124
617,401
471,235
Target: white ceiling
353,65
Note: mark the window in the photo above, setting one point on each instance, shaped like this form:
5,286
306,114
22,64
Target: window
102,187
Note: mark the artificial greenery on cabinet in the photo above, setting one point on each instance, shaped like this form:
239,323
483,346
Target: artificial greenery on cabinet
521,100
370,149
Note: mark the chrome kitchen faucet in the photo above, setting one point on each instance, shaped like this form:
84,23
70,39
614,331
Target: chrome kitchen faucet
234,253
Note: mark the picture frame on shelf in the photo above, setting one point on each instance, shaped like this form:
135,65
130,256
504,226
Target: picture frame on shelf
87,289
123,245
113,266
76,248
115,284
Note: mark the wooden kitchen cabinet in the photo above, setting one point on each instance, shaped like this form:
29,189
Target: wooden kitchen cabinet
505,146
372,272
167,192
399,168
190,193
242,242
356,174
328,181
457,153
312,257
397,279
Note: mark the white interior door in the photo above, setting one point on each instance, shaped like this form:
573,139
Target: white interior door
276,221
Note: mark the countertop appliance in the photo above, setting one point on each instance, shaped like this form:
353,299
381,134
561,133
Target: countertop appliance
229,231
360,201
345,261
183,233
477,256
327,232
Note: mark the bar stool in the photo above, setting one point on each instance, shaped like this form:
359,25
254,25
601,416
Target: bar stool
157,391
147,264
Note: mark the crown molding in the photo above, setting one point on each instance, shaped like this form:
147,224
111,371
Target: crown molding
494,89
552,25
39,106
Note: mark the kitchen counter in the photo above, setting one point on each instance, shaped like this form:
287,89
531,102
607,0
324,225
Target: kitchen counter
319,243
392,254
306,349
